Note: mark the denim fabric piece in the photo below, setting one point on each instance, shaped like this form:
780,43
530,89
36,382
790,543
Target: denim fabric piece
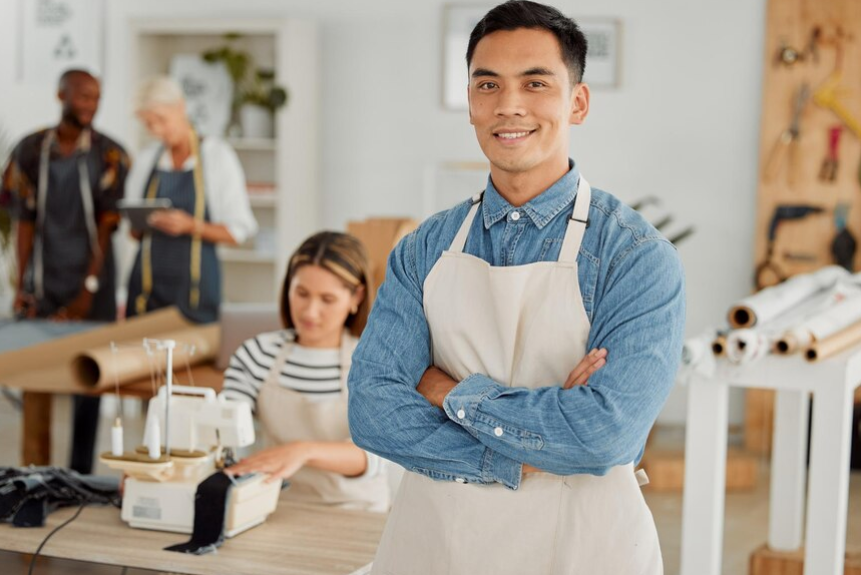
632,284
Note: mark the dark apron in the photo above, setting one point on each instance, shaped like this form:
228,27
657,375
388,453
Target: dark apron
171,260
66,247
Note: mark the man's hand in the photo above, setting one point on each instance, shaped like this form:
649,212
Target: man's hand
172,222
435,385
279,462
594,360
24,305
78,309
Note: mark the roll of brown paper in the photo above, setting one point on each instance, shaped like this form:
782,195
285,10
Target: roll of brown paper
830,346
101,367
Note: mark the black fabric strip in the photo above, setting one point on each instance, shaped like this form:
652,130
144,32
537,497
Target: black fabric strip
210,511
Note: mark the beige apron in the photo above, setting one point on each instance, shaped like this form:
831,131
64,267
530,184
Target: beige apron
523,326
287,415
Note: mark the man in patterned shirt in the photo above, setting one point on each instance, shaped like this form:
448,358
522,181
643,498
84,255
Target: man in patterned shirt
63,184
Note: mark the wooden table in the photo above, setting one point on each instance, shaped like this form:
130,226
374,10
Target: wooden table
298,539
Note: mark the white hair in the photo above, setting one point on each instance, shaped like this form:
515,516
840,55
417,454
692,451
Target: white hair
158,91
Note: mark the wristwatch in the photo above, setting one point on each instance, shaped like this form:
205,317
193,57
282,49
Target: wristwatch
91,283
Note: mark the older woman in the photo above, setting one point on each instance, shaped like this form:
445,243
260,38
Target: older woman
203,179
295,379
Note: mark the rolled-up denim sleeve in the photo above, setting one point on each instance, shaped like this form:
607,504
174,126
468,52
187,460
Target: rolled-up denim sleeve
387,415
589,429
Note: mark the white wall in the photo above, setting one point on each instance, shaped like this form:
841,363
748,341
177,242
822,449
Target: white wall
683,126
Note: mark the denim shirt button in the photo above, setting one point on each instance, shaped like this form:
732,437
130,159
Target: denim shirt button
515,216
460,480
461,414
498,432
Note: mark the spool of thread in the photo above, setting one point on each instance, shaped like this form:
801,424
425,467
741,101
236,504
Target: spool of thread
117,438
152,437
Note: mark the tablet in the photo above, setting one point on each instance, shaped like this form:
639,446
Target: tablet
138,211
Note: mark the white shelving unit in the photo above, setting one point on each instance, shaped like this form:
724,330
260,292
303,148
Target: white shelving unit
282,172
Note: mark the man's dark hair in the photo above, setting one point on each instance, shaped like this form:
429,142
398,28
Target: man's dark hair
67,76
516,14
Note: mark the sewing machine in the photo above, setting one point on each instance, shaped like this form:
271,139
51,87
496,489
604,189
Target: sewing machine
199,427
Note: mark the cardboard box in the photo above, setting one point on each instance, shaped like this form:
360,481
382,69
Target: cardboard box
380,236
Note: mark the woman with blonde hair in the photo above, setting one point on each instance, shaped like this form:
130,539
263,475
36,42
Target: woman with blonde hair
177,263
295,379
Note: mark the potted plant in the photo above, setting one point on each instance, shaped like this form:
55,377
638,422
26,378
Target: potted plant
260,98
236,62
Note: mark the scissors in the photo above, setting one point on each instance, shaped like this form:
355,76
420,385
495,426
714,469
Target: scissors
788,140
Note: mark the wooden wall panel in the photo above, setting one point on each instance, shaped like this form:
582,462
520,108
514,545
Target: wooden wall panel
792,22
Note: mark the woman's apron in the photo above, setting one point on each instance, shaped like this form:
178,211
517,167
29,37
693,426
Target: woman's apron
287,415
528,328
171,259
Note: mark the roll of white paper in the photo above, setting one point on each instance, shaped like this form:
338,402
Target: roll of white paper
694,350
747,345
840,309
771,302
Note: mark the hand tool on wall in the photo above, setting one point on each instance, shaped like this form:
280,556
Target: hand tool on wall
830,96
650,208
787,55
828,171
787,142
843,246
768,270
800,257
812,49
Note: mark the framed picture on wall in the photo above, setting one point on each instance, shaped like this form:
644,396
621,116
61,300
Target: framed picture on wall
58,35
208,92
458,22
603,60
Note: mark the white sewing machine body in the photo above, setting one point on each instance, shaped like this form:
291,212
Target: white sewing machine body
159,492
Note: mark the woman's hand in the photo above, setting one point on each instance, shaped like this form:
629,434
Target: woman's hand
594,360
172,222
279,462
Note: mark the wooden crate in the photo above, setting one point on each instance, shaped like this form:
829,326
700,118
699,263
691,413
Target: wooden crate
666,470
380,236
759,419
764,561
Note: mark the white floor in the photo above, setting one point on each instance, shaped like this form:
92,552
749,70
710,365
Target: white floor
746,518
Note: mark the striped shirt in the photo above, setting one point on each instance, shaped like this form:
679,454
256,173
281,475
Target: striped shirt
311,371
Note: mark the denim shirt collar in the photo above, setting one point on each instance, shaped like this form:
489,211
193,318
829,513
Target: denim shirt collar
540,209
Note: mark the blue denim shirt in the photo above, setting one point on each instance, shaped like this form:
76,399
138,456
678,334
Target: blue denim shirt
632,284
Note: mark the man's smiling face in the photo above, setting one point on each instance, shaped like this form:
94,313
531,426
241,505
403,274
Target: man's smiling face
522,102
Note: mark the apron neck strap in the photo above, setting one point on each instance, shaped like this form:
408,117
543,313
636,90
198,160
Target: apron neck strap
577,223
459,241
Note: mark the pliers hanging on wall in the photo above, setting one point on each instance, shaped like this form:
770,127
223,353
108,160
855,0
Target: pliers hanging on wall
787,143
